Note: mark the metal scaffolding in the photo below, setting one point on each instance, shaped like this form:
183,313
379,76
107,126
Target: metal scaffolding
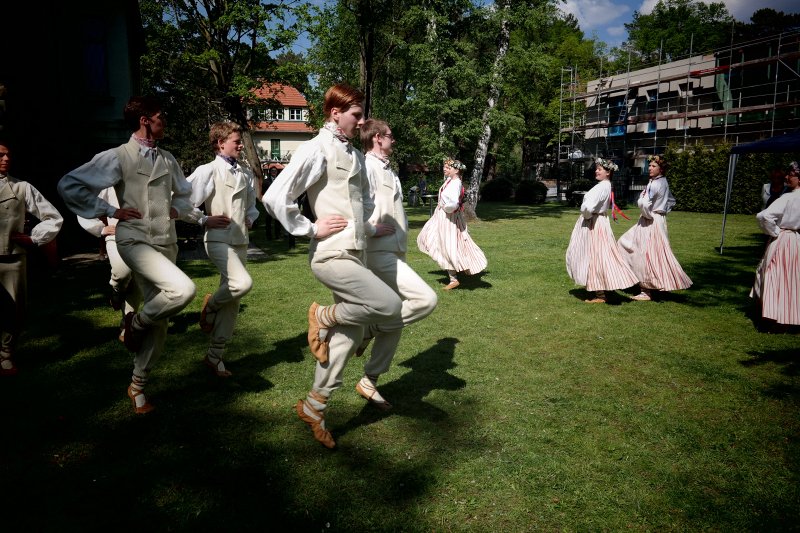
738,94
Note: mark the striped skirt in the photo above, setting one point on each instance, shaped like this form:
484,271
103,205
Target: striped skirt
593,259
645,247
446,240
777,282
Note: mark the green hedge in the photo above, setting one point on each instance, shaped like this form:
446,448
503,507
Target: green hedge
698,178
497,190
530,192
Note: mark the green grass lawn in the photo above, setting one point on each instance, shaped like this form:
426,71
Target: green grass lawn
517,406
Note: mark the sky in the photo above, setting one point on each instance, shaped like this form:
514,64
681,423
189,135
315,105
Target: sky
606,19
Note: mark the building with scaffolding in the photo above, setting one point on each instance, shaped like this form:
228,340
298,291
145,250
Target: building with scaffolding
740,94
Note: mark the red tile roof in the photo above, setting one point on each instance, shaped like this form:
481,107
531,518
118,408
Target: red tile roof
284,126
285,94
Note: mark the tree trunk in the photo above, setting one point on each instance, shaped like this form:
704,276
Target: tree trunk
471,195
490,167
365,17
527,159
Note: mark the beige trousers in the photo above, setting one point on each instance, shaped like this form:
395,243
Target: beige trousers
361,298
234,282
418,301
166,290
122,279
13,299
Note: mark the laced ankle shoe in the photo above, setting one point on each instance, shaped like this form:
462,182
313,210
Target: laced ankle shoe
140,404
366,388
7,367
319,347
206,315
599,298
217,367
116,300
316,421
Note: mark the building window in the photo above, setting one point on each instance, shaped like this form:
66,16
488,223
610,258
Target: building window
275,149
295,113
267,114
617,112
261,114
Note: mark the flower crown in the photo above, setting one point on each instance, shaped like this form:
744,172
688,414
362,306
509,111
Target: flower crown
607,164
455,163
659,160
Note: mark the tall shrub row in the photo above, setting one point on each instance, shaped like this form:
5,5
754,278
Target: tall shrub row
698,178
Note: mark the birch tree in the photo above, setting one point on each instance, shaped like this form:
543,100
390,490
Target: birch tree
471,193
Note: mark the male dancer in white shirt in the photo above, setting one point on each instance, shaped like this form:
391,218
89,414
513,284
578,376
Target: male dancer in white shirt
331,171
124,294
152,192
386,257
226,189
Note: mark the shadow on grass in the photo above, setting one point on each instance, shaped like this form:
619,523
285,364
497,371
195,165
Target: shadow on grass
429,372
467,283
785,358
612,297
723,279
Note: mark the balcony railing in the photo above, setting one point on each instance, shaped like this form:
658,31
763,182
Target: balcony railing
272,157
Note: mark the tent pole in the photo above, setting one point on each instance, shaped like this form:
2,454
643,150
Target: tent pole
729,187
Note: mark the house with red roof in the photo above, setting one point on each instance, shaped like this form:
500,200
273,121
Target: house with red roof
279,123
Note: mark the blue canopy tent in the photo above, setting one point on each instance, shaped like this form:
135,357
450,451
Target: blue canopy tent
789,142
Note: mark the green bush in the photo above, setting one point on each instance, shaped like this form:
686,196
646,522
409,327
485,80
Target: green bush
530,192
497,190
698,178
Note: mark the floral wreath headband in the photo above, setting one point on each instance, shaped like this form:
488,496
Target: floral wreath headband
658,159
794,167
455,163
607,164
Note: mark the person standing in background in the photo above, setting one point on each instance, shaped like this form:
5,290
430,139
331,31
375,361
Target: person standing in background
152,192
18,198
273,226
776,186
227,192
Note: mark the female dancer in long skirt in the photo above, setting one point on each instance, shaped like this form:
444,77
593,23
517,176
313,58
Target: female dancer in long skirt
592,256
777,285
645,247
445,237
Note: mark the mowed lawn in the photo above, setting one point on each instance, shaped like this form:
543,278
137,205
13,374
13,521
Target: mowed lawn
518,407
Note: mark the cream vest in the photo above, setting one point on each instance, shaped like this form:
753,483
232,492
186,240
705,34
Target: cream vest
339,191
146,186
388,209
12,215
231,197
